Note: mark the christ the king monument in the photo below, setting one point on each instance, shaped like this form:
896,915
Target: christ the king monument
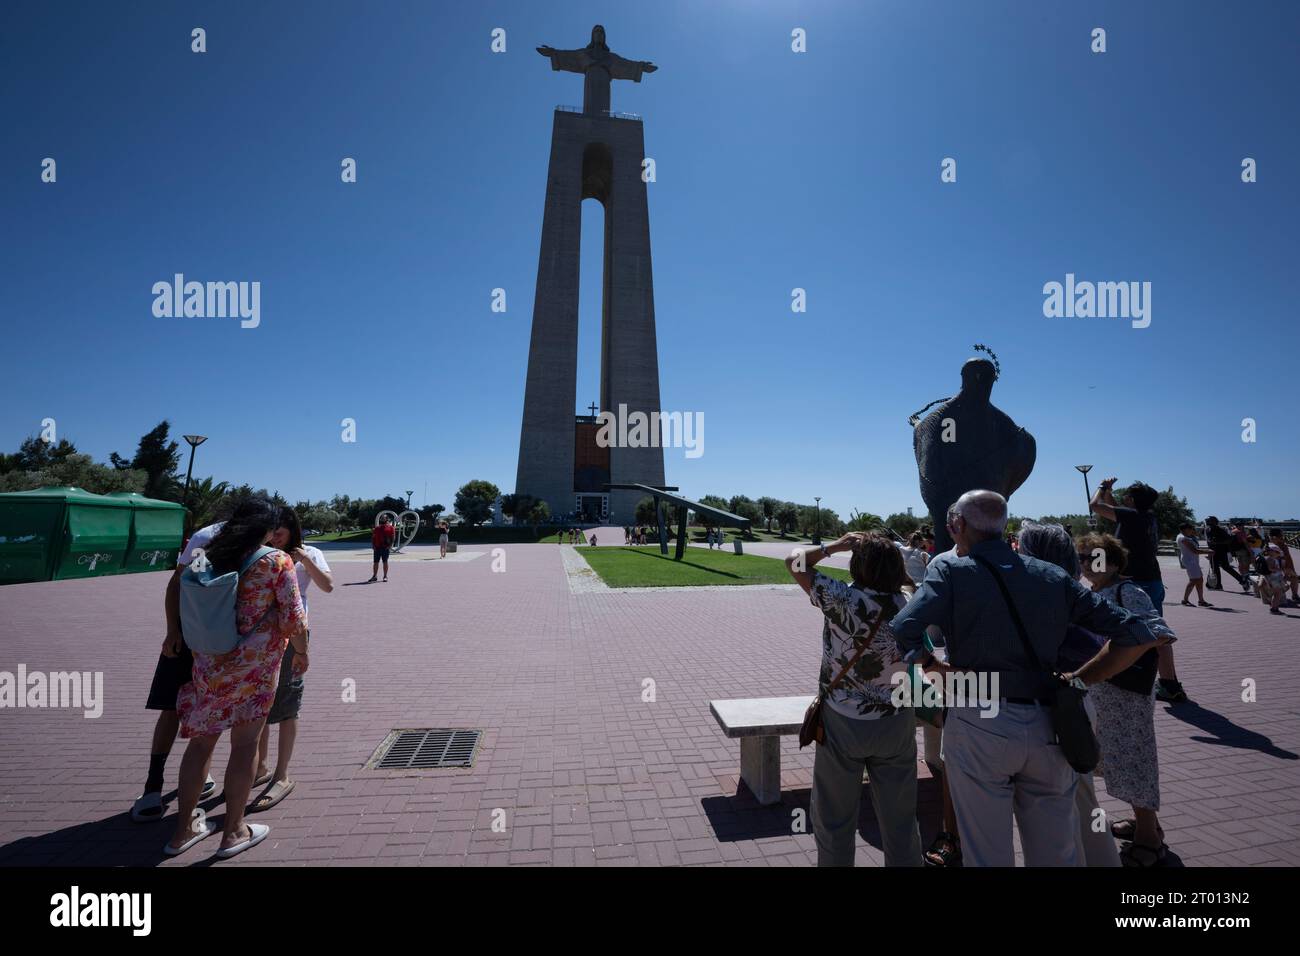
595,154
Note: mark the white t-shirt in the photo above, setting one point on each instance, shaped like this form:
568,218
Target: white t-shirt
198,540
914,560
1187,552
304,578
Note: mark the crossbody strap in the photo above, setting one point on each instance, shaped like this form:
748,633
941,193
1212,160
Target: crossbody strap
1015,615
871,636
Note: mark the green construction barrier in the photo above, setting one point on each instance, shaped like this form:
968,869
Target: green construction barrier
96,533
53,533
31,529
157,528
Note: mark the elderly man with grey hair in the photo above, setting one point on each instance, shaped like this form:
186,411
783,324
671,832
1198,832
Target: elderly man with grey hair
1003,762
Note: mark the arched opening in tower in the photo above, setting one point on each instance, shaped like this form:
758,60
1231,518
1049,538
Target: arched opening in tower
591,461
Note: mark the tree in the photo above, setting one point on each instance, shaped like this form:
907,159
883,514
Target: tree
768,506
539,512
321,519
902,523
1075,524
474,501
745,507
1172,512
710,501
206,499
645,511
35,454
787,516
77,470
429,513
811,518
864,521
158,457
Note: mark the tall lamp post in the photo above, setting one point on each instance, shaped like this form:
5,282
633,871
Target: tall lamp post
1087,494
194,441
817,527
408,498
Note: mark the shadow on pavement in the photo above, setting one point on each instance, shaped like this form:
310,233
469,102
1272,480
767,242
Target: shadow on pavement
1225,732
741,817
112,841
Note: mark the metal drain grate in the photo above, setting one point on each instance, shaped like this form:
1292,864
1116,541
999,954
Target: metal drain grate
426,750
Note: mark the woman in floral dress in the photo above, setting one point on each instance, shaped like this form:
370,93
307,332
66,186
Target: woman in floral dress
234,691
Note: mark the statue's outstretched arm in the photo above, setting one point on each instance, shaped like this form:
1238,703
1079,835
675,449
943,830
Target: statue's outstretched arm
621,69
573,61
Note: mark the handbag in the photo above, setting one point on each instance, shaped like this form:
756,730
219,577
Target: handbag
1069,718
1141,676
812,729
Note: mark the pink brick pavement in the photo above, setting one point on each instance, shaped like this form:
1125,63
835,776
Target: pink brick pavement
586,771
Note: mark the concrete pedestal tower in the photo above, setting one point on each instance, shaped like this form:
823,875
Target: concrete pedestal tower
594,154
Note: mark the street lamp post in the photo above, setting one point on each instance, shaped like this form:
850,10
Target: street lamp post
408,498
817,527
1087,494
194,441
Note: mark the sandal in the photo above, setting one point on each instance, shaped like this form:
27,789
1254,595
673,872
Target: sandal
1187,603
272,796
257,832
263,779
207,831
148,807
1124,829
945,850
1137,856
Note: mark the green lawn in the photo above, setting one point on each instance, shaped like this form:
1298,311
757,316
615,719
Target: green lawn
645,567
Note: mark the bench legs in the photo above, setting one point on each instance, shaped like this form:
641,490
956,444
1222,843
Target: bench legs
760,767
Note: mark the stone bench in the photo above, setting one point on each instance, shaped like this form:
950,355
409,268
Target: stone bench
760,723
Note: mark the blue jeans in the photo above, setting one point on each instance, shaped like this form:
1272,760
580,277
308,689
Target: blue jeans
1156,592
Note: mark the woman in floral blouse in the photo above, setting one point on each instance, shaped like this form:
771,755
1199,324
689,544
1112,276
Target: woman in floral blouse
863,727
234,691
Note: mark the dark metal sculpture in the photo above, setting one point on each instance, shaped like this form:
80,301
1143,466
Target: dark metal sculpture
968,443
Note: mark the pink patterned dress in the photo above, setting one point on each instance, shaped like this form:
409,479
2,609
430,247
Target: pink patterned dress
239,687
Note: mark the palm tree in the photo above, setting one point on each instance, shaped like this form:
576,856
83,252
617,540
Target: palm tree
205,500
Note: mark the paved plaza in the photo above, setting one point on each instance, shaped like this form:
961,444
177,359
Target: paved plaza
586,771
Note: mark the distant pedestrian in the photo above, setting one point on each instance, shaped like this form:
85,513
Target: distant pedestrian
444,536
1288,563
1272,577
1222,543
381,542
1189,556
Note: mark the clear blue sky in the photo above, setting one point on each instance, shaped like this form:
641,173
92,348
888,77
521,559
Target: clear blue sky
775,170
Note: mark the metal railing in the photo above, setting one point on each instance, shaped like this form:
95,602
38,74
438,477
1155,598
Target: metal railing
608,114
